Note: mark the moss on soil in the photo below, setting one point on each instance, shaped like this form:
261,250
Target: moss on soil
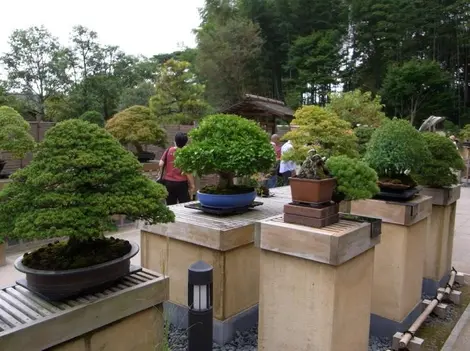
233,190
435,331
76,254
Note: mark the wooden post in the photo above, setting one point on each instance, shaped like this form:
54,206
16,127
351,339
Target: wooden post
315,286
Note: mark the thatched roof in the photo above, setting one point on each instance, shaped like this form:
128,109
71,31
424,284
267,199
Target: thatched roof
257,106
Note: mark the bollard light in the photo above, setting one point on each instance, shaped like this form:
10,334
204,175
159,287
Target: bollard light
200,307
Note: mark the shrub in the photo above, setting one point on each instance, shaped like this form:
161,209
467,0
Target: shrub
357,108
437,171
464,134
228,145
396,148
79,177
355,179
137,126
93,117
15,134
363,134
322,129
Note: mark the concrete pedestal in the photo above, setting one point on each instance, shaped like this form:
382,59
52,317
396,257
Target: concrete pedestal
440,239
399,261
315,286
226,243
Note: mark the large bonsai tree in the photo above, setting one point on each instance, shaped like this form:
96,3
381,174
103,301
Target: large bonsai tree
438,171
15,134
395,150
79,177
322,129
228,145
137,126
93,117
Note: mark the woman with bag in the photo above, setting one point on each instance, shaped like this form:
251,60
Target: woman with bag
180,186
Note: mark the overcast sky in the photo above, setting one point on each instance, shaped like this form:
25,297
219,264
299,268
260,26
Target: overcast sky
144,27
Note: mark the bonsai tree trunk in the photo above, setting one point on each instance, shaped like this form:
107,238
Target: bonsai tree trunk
138,148
225,180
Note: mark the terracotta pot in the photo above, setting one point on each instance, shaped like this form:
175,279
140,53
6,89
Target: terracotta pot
311,190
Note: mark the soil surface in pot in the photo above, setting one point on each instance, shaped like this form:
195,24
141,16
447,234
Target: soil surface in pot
76,254
398,182
233,190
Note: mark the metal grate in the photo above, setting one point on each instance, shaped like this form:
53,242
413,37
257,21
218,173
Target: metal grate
20,307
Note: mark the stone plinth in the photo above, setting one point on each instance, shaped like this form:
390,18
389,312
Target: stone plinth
399,261
226,243
315,286
128,316
440,239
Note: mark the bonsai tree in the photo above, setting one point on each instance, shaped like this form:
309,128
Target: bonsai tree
464,134
79,177
322,129
437,172
363,134
357,108
137,126
15,134
93,117
395,150
228,145
355,179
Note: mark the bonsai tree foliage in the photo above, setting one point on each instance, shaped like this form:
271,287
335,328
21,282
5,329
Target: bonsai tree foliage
464,134
355,179
363,134
15,134
357,108
79,177
228,145
395,150
137,126
322,129
437,172
93,117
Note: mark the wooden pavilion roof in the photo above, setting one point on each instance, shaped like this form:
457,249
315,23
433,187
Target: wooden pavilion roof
253,106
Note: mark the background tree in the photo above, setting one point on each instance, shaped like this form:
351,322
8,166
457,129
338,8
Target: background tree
179,97
93,117
138,95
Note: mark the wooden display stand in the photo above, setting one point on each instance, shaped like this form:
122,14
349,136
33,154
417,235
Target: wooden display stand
226,243
3,259
440,239
127,316
315,286
399,261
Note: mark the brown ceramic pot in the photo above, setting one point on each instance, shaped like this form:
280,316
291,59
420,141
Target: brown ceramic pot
311,190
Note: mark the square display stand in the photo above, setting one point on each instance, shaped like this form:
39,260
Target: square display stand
96,289
223,211
311,214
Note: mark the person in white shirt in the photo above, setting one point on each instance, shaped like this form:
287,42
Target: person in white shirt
286,168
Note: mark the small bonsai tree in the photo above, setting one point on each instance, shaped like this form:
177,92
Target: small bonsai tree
228,145
79,177
395,150
363,134
137,126
15,134
355,179
437,172
314,167
93,117
323,130
357,108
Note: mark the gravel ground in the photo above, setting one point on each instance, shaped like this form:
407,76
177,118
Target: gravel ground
248,341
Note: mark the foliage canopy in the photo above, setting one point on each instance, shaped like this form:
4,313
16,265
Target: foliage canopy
93,117
137,126
323,129
79,177
395,148
355,179
15,134
228,145
437,172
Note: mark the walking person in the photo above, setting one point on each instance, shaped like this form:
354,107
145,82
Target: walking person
286,168
276,143
180,186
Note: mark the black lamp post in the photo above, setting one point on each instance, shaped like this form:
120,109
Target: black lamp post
200,307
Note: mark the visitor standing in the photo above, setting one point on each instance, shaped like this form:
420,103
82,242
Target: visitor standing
276,143
180,186
286,168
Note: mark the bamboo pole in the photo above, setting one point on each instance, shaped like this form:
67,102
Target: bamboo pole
415,326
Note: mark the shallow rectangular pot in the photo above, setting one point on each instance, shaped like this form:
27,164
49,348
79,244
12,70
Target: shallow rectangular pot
311,190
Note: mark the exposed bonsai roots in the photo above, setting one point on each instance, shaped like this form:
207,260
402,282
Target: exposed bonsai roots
76,253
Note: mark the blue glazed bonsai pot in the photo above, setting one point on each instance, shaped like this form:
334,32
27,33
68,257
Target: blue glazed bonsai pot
226,201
